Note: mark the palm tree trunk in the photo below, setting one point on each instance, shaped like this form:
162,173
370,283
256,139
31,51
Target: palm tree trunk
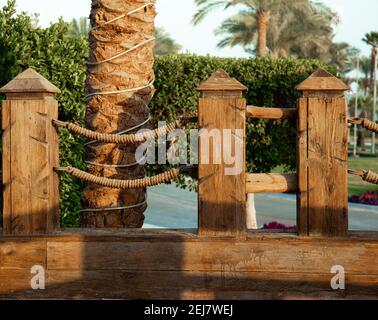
113,113
374,52
263,17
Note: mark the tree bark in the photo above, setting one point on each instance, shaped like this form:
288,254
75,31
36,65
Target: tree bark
263,17
113,113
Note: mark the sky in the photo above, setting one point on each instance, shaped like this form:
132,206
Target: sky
357,18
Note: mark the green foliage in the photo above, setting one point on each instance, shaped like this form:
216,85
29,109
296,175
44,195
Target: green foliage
271,82
61,59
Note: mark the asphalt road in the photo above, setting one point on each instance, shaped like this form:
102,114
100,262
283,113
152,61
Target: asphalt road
170,207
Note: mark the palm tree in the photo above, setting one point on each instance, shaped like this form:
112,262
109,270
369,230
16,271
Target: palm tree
164,43
261,12
372,39
115,67
299,32
365,65
80,27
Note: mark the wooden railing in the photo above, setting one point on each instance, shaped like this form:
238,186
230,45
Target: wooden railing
322,154
30,154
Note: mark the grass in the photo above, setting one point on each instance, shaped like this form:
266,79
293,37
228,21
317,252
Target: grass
356,185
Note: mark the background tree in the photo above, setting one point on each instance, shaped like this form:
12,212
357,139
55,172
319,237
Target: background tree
164,43
253,24
372,39
365,68
80,27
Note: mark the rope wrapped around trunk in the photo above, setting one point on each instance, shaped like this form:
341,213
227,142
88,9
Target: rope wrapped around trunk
367,176
119,139
122,184
366,123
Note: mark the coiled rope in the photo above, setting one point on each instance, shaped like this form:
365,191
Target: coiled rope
366,175
122,184
366,123
116,138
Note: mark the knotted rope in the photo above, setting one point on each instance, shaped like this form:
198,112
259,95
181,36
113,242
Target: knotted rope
122,184
366,123
366,175
116,138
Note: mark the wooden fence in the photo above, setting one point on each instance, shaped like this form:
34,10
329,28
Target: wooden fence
219,260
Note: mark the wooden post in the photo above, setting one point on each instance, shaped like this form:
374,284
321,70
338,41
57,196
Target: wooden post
221,194
322,156
30,152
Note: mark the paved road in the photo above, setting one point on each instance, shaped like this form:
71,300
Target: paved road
170,207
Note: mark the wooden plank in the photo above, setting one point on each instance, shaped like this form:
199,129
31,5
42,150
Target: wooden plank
221,197
271,183
123,284
221,183
53,216
327,163
271,113
20,175
22,254
6,169
36,138
263,254
302,168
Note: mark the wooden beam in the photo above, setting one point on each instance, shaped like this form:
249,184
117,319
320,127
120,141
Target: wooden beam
271,113
221,185
271,183
30,152
168,264
322,159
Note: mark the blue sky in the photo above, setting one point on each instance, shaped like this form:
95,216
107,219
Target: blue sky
358,17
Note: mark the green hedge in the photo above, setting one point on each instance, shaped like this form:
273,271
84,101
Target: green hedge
62,59
270,82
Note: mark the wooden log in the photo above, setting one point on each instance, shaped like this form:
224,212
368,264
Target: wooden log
271,183
271,113
221,193
122,265
30,153
322,166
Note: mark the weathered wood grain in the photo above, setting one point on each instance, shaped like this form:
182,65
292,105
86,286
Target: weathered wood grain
271,183
271,113
6,169
323,156
221,194
30,152
302,168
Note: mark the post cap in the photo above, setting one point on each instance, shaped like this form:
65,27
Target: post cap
322,80
221,81
29,81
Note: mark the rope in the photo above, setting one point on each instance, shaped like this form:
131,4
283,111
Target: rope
120,91
125,14
115,208
125,131
122,184
116,138
366,123
122,53
366,175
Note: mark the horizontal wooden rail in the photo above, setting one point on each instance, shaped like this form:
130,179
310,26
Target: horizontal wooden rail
271,183
271,113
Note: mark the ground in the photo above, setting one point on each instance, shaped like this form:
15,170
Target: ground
356,185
